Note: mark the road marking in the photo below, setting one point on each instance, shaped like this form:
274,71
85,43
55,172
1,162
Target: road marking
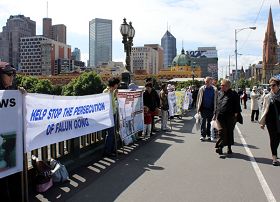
265,187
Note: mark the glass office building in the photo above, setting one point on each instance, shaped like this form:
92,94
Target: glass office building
100,41
168,43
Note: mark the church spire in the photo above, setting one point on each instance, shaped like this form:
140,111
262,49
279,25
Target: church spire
270,27
269,50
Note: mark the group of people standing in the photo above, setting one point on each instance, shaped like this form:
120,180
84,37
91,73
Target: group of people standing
223,107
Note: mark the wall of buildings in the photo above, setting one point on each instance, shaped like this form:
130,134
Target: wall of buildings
17,26
38,55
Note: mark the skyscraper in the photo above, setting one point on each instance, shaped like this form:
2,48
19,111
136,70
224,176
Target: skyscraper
55,32
100,41
168,43
76,54
17,26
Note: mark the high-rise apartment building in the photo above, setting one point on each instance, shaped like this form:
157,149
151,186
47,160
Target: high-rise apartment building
55,32
39,55
76,54
17,26
160,55
100,41
168,43
144,58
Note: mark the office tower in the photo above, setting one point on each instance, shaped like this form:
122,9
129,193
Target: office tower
100,41
207,59
168,43
76,54
17,26
42,56
55,32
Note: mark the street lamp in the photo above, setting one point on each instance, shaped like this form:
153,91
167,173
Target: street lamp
193,66
235,40
128,33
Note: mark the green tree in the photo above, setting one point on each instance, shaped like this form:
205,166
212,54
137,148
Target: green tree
43,86
186,84
87,83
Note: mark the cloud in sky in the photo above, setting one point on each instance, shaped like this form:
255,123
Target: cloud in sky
195,22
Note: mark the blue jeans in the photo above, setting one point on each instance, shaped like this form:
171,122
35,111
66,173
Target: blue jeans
206,115
110,139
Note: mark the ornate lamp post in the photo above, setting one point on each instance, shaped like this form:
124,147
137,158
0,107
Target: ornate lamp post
128,33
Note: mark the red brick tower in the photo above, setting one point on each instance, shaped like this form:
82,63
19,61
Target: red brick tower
269,50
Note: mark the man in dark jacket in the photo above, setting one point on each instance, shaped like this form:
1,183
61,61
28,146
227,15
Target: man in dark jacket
228,108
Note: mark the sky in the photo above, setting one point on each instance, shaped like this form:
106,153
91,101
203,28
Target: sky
194,23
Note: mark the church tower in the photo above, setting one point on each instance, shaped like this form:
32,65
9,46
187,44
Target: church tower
269,50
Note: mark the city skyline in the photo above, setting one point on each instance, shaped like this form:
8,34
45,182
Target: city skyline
193,23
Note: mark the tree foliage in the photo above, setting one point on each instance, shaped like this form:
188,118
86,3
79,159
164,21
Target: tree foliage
35,85
87,83
186,84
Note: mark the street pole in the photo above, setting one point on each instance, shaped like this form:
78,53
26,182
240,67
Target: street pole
235,39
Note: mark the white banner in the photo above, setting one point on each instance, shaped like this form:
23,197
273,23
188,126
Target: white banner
11,136
172,103
130,113
50,119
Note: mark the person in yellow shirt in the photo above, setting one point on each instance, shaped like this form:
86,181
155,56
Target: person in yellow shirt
110,144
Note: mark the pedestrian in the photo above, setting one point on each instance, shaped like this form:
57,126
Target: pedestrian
194,96
110,142
152,102
271,117
163,95
154,97
254,104
147,122
8,190
228,108
244,98
206,106
240,93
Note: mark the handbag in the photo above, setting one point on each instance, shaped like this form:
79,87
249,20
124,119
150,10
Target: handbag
239,118
59,171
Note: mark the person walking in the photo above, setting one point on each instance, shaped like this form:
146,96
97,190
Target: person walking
228,107
254,104
271,117
206,106
244,98
163,95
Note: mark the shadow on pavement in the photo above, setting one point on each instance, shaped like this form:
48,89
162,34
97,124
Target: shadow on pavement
249,146
107,178
261,160
125,173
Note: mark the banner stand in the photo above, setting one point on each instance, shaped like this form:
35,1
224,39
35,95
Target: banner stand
24,183
24,178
